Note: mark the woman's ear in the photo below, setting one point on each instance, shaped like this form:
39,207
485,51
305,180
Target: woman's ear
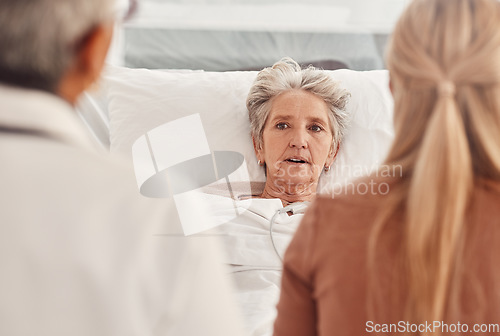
332,155
259,151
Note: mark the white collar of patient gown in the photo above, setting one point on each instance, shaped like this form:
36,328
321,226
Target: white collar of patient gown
247,237
42,114
265,207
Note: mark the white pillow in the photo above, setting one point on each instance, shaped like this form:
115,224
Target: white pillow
141,100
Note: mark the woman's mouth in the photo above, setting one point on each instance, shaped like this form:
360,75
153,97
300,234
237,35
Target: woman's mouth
296,160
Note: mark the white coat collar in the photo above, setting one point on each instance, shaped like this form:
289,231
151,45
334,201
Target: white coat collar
42,114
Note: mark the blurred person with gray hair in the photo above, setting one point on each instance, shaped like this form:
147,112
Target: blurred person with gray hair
80,252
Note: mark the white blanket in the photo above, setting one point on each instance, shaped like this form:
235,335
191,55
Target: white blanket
254,263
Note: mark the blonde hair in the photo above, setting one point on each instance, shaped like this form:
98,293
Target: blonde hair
287,75
444,65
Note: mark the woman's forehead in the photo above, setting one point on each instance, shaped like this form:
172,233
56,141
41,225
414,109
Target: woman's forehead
299,104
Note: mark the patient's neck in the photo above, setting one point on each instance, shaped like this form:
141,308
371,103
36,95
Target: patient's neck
289,193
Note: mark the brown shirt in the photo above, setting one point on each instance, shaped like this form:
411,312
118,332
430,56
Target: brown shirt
324,284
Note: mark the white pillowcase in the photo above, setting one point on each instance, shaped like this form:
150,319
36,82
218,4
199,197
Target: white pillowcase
140,100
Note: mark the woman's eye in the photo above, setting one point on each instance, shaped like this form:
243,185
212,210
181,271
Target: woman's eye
316,128
281,126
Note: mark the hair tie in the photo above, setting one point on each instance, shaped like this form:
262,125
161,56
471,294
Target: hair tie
446,88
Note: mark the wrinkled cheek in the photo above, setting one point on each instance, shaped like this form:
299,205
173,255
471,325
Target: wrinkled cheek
276,170
316,170
281,172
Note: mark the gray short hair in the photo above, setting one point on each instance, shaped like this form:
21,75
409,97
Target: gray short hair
39,38
287,75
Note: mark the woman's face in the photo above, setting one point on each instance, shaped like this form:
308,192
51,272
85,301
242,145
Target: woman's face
297,139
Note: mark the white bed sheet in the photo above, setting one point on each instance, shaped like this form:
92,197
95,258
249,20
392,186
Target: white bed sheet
253,262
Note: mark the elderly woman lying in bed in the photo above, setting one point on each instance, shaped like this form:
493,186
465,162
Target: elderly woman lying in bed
297,121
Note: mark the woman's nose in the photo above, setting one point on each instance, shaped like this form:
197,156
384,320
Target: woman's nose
298,138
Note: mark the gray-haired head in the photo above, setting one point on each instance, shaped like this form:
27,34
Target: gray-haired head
287,75
39,38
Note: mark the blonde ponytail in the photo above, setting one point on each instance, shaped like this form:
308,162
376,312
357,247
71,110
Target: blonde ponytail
437,198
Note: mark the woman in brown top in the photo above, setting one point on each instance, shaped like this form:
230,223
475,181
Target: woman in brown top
417,252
